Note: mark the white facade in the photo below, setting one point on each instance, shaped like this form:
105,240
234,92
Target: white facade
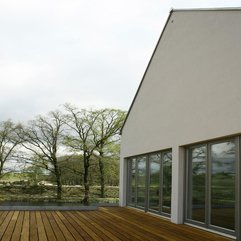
190,93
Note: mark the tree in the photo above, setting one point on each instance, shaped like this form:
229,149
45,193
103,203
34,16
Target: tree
8,143
42,137
80,139
71,170
106,136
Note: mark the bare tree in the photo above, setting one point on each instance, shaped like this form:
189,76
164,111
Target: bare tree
42,137
8,144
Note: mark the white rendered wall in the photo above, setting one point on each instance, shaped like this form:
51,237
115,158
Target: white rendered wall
190,93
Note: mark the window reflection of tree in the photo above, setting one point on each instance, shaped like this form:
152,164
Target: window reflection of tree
167,178
223,157
198,160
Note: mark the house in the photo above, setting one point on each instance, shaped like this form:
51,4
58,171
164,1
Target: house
181,141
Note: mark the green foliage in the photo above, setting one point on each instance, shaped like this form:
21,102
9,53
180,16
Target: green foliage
72,171
24,192
9,142
74,152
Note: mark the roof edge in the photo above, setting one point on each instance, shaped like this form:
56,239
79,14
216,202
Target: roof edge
144,75
206,9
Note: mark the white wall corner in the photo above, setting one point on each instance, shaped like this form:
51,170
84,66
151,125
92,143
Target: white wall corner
123,182
178,171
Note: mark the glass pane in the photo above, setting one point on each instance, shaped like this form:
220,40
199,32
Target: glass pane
197,169
223,158
167,182
132,181
154,186
141,181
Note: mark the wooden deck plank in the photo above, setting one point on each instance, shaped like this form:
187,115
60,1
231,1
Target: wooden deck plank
167,230
10,228
141,231
134,229
3,216
17,230
67,234
143,226
48,228
33,231
70,226
41,229
149,225
116,228
104,224
77,226
85,227
5,223
106,235
57,231
25,227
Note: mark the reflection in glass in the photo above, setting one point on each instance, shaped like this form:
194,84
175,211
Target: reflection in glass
196,207
223,157
149,182
167,182
154,185
141,181
133,181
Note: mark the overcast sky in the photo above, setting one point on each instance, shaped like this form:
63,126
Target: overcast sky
89,53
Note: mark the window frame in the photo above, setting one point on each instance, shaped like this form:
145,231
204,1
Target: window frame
207,224
147,191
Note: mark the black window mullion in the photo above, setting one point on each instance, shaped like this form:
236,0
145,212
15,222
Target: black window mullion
208,186
129,192
147,182
189,183
238,189
136,175
161,184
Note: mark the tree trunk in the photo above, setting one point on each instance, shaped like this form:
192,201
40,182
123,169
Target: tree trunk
57,173
59,187
102,177
85,200
1,168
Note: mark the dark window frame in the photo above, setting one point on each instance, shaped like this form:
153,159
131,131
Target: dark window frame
147,196
207,224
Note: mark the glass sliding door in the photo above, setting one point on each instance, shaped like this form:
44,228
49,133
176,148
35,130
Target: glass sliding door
211,199
197,184
141,181
132,178
154,183
223,157
166,182
160,180
149,182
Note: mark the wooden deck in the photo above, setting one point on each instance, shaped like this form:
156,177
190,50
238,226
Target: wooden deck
105,224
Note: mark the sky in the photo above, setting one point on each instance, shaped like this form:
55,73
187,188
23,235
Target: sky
91,54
